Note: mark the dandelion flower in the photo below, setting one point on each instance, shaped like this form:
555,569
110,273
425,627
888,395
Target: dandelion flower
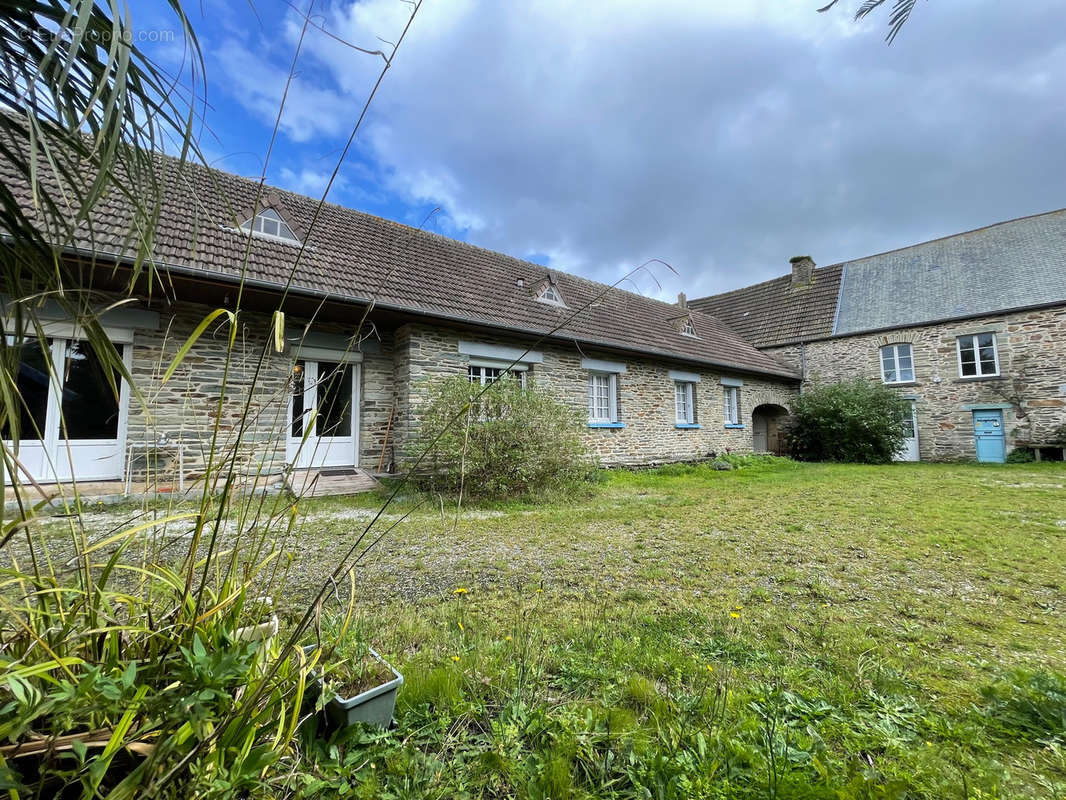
461,590
738,608
507,638
734,615
461,627
539,591
710,668
455,658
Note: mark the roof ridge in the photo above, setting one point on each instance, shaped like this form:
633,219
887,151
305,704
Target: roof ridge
516,261
944,238
847,261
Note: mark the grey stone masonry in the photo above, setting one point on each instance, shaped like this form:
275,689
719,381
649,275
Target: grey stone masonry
1030,386
396,375
646,397
257,392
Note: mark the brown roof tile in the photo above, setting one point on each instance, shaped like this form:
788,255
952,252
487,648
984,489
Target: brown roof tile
359,257
771,313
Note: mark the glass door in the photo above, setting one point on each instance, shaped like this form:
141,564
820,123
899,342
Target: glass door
323,414
72,420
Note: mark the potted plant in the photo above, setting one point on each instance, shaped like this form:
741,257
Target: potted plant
364,690
264,630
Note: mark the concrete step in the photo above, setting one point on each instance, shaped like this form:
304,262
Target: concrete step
329,481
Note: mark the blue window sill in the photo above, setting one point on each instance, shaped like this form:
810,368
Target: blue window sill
688,426
607,424
737,427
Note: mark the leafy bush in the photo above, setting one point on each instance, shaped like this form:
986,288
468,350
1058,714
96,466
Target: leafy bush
1020,455
855,421
504,442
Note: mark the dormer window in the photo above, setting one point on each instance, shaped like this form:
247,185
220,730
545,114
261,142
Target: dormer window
549,293
688,328
269,223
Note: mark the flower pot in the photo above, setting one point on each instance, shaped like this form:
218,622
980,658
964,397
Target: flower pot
373,706
263,630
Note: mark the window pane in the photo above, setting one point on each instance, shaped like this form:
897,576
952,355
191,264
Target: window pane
30,364
474,373
298,400
906,362
270,226
90,404
908,425
988,360
334,400
599,397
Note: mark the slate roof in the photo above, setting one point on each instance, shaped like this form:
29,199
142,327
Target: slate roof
1009,265
359,257
769,314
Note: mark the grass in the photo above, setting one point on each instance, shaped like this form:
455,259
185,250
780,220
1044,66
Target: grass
779,630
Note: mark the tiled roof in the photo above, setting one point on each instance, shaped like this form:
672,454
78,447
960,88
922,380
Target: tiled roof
1009,265
772,313
359,257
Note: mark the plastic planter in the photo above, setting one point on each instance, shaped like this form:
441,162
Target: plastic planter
374,706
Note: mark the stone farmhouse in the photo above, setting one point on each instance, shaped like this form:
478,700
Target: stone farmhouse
374,312
970,328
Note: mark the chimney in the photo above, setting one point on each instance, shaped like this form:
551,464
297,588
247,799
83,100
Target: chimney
802,271
682,301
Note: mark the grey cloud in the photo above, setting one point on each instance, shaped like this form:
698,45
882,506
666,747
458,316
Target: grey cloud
721,146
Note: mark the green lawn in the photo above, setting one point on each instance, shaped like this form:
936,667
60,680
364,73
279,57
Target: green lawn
781,630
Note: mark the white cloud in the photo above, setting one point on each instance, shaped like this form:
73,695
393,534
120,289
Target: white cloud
310,110
720,137
310,182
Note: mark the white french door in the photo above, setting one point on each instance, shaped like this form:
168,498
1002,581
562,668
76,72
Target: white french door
323,429
72,424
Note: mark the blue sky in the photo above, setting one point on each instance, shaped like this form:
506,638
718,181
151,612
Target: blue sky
592,136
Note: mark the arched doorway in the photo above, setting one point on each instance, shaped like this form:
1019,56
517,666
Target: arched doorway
767,424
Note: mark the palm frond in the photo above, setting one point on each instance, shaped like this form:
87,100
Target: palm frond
900,14
867,7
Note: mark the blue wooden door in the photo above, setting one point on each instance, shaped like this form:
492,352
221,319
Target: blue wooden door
988,430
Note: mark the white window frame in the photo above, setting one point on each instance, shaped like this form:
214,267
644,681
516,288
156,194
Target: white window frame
257,226
684,402
975,345
549,293
688,328
480,374
612,398
731,397
894,348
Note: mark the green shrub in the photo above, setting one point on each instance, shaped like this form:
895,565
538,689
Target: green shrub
506,442
855,421
1020,455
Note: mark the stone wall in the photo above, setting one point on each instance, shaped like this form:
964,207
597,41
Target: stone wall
397,372
645,396
187,406
1031,386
